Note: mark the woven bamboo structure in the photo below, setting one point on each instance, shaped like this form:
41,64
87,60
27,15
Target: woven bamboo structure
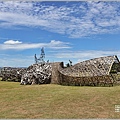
96,72
11,74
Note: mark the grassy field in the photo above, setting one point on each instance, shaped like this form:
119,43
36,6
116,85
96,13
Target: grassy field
56,101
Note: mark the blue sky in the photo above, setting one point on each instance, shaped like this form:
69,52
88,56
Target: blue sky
75,31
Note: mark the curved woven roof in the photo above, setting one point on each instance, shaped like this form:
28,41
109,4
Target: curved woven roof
93,67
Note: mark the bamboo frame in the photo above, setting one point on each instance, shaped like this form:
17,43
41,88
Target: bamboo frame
91,72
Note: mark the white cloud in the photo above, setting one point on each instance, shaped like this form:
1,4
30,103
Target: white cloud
12,42
78,56
76,20
15,60
60,56
17,45
58,45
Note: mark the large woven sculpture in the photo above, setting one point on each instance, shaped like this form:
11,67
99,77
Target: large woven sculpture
91,72
95,72
12,74
37,74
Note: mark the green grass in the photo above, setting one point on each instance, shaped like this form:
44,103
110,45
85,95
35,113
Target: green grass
56,101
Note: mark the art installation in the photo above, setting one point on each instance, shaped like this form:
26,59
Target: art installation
95,72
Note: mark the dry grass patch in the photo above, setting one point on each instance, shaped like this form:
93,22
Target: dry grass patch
55,101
